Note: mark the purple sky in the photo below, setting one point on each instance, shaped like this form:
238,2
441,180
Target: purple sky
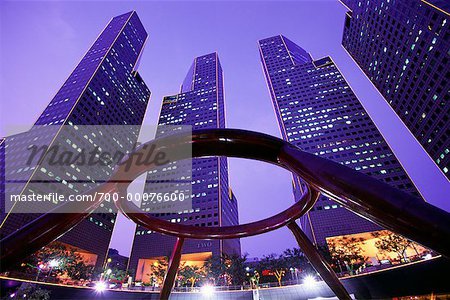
41,42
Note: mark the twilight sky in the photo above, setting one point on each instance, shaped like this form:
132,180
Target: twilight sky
41,42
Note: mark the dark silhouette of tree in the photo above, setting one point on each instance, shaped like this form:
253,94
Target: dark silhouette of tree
118,274
78,270
392,242
276,264
191,274
68,262
216,270
236,268
226,269
347,252
159,269
334,263
28,291
296,259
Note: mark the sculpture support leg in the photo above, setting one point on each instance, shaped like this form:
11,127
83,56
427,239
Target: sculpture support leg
318,262
172,270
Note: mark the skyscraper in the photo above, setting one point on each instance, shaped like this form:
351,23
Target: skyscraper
318,112
103,90
403,48
199,104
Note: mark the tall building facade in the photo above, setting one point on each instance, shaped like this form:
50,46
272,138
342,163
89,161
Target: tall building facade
318,112
103,101
403,47
199,104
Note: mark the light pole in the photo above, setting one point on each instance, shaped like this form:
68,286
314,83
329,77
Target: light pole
104,268
40,267
292,274
53,264
108,274
247,270
107,262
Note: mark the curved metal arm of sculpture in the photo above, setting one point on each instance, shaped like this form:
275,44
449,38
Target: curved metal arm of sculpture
225,232
372,199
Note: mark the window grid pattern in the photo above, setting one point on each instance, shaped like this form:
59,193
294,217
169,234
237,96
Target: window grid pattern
404,49
103,89
317,111
199,104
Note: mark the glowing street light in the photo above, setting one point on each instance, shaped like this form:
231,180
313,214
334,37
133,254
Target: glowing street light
309,281
100,286
53,263
207,290
39,268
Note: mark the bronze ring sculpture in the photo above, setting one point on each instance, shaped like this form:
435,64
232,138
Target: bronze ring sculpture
369,198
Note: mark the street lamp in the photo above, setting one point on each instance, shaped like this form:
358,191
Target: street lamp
53,263
107,273
106,264
40,267
100,286
292,273
207,290
309,281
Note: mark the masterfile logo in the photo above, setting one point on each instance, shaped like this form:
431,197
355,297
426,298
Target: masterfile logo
41,172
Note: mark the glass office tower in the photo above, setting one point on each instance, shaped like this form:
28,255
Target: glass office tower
318,112
199,104
403,47
103,91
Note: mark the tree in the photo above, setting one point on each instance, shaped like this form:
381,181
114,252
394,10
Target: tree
236,268
159,269
346,251
296,259
216,270
118,274
97,273
29,291
334,263
226,269
294,255
392,242
59,259
77,270
276,264
191,274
